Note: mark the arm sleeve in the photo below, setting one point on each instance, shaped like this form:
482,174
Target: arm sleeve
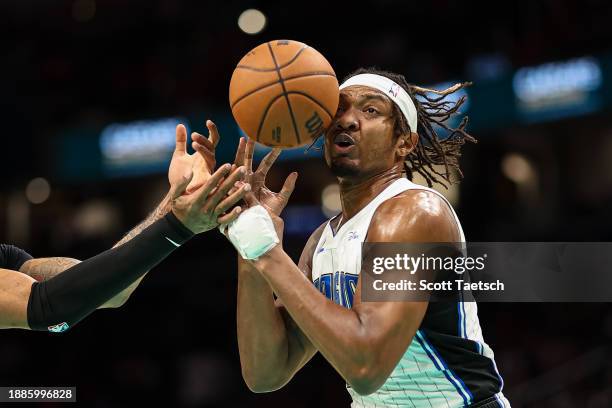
62,301
12,257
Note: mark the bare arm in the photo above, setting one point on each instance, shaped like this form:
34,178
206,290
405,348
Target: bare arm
272,347
14,294
364,343
42,269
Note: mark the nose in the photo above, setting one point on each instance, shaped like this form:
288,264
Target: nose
347,121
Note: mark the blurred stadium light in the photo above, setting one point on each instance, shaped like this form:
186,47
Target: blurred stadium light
558,89
330,200
532,94
138,147
252,21
38,190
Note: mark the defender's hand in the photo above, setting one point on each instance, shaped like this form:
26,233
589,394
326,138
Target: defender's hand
206,207
180,171
204,163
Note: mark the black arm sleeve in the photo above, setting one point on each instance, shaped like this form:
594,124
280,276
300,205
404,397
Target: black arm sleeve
62,301
12,257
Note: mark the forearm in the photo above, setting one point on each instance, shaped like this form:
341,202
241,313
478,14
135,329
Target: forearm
43,269
162,209
337,332
72,295
262,336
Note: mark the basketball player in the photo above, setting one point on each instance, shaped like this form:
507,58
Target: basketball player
69,290
391,354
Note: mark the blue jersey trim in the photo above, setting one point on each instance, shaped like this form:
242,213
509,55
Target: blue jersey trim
441,365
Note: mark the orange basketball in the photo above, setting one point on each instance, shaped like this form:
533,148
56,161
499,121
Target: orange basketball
283,93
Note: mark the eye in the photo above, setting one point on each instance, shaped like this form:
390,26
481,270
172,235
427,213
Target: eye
371,110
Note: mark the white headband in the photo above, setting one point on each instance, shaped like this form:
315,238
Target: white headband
392,90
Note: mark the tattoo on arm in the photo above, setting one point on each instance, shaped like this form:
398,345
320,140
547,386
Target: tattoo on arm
45,268
42,269
162,209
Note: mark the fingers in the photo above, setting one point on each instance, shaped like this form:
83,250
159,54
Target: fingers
181,139
250,199
220,193
232,199
288,187
268,161
205,152
236,186
213,133
198,138
193,188
212,182
239,160
180,187
227,218
248,156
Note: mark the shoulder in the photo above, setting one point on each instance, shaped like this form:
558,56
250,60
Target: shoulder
316,235
414,215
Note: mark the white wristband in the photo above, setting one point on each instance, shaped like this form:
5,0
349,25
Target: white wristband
252,233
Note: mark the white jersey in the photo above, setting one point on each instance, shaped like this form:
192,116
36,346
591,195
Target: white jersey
447,364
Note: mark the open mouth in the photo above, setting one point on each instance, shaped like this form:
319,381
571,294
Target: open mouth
344,140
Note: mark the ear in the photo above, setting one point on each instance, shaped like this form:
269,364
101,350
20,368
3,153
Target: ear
406,143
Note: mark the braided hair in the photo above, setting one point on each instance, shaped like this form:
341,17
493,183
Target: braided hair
433,110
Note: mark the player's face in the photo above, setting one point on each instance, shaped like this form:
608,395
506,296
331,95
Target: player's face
360,141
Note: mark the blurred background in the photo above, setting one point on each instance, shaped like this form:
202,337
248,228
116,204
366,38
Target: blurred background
91,93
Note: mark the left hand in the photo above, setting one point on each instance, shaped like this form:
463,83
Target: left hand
279,224
270,200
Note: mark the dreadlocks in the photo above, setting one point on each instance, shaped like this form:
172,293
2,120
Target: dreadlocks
432,111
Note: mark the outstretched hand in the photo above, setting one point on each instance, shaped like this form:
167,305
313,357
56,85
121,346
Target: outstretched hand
273,202
208,206
204,162
200,200
180,172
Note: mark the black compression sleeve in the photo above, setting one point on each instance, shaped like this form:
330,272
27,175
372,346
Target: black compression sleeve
62,301
12,257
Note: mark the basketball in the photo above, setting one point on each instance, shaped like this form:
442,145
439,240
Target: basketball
283,93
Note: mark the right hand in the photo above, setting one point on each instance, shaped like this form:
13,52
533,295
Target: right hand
205,207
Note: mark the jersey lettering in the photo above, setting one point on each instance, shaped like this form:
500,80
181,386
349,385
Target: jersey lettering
339,287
